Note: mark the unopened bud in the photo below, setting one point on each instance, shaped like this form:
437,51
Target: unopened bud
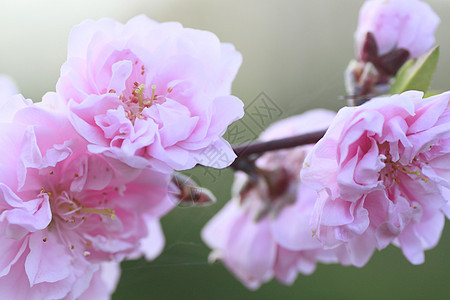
188,193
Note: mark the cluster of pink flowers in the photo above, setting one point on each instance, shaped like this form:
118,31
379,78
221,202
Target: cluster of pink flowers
85,173
379,176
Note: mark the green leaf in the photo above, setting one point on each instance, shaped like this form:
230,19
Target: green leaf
416,74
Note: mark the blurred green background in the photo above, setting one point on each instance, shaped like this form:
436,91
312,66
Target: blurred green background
295,52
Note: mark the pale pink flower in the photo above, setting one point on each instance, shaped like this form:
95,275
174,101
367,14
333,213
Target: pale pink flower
264,231
395,24
65,211
382,176
150,93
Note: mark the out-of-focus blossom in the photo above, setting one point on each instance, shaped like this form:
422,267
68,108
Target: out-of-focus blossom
382,175
64,211
264,231
397,24
150,93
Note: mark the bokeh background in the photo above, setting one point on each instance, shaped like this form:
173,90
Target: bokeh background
295,52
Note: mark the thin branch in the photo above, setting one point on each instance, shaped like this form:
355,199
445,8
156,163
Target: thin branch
259,147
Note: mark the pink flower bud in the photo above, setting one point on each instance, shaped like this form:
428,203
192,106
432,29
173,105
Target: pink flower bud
397,24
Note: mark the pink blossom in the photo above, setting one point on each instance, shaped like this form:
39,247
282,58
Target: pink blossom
382,176
395,24
64,212
150,93
264,232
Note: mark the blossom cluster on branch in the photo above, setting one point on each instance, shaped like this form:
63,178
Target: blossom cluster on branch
378,176
87,173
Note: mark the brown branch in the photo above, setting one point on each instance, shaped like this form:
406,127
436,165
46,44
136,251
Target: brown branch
259,147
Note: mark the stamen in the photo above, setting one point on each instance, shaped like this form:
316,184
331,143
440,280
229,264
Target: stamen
43,191
153,92
149,102
101,211
409,171
139,92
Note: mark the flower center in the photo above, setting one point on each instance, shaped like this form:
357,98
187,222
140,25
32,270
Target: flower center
393,170
68,214
135,103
